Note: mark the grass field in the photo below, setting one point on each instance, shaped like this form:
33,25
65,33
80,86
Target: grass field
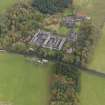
93,8
93,87
92,90
5,4
22,83
98,59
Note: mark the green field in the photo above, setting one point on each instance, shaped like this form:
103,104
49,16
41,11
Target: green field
98,59
92,90
93,87
23,83
93,8
5,4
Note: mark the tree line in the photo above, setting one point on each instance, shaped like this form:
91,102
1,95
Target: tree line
51,6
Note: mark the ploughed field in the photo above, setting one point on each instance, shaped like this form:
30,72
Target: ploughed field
23,83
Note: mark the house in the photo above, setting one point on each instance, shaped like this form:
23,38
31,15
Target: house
54,42
69,21
70,50
40,37
82,16
72,36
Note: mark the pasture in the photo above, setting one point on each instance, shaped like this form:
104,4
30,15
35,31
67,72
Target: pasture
92,90
98,59
5,4
23,83
93,8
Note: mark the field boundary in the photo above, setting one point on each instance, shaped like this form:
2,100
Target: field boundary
93,71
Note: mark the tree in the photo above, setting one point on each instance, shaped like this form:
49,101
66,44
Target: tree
50,6
19,47
85,40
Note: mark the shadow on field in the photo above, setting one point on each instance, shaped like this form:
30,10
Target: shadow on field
93,72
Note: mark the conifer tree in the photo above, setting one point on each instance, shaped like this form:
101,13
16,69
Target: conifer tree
50,6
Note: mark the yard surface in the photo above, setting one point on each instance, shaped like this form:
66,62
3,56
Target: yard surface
23,83
93,87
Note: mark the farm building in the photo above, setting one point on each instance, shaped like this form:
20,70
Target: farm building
48,40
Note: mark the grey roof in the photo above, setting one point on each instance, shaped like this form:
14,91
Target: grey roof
48,40
72,36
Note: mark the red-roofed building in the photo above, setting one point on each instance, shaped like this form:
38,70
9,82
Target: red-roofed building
82,15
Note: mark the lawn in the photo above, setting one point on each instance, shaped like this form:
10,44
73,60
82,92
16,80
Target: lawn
23,83
63,31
